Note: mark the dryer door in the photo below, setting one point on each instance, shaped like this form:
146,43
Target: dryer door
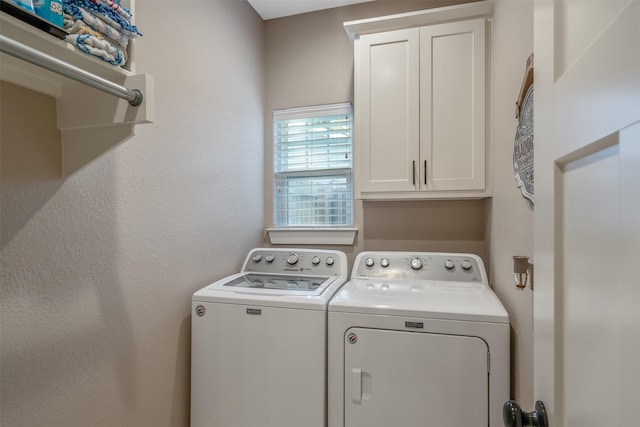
411,379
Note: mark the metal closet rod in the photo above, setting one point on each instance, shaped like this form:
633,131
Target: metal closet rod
26,53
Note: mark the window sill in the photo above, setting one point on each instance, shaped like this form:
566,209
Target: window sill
312,236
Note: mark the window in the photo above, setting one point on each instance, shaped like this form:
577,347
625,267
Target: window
313,166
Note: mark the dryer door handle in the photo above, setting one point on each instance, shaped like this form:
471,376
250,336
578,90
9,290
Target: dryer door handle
356,385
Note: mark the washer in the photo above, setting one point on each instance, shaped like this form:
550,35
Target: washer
258,351
417,339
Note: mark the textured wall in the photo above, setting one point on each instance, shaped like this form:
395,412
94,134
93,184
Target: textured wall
98,269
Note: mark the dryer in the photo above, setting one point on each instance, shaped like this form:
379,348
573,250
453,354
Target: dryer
258,351
417,339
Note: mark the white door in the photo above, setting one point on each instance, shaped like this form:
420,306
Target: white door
413,379
587,212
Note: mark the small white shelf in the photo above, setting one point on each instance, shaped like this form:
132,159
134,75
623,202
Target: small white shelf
91,122
311,236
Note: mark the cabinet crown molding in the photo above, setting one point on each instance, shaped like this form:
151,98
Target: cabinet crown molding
437,15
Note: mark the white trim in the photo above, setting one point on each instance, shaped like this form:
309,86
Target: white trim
313,111
437,15
312,236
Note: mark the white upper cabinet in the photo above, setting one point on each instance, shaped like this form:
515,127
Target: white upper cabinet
420,112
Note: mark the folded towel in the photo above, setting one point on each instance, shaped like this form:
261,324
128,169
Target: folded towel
100,48
107,15
115,5
76,19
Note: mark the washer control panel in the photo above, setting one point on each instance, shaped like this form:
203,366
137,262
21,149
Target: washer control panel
301,261
454,267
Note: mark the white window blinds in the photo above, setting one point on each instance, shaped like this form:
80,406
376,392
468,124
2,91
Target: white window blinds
313,166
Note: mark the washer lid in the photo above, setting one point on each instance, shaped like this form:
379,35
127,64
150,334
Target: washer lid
272,290
424,299
310,285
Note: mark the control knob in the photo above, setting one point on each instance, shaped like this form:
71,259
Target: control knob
448,264
257,257
384,262
466,264
330,260
292,259
369,262
315,260
416,263
269,258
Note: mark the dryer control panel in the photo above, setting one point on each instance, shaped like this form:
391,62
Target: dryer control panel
438,266
315,262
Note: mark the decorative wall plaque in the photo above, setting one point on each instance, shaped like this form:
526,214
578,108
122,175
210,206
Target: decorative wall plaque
523,143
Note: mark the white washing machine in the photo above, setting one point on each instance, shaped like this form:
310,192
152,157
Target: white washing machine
258,350
417,339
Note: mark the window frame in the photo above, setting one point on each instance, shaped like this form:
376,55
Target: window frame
281,176
320,235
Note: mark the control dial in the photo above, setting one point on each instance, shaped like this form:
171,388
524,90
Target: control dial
257,257
384,262
466,264
330,260
269,258
416,263
369,262
315,260
448,264
292,259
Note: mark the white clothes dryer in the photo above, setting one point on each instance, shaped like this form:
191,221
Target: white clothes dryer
417,339
258,351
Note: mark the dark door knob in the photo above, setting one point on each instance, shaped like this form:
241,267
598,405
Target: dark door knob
513,416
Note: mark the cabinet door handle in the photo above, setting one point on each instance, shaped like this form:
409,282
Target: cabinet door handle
414,172
425,172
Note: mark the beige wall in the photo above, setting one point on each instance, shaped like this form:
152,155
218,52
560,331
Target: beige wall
310,61
98,269
511,229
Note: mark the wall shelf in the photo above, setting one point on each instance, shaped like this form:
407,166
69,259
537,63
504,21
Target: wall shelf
312,235
91,122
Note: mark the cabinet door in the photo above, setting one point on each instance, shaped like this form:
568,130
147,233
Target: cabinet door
387,110
452,106
411,379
